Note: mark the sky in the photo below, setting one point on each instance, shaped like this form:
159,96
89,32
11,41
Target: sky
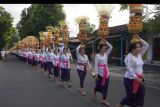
73,11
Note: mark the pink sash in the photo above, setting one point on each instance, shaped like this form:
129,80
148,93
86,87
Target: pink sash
40,58
35,57
57,61
83,64
43,59
49,59
136,84
30,56
105,73
26,56
66,62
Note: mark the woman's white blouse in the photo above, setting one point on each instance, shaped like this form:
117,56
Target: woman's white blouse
82,60
102,60
44,57
40,56
134,65
26,54
30,55
55,59
37,57
49,57
64,58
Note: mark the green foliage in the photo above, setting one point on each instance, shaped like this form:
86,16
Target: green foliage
90,29
14,37
151,20
150,24
123,7
35,18
5,25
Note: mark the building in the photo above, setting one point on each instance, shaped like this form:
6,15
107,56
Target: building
120,38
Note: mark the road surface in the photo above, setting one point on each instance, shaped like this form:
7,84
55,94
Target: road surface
24,86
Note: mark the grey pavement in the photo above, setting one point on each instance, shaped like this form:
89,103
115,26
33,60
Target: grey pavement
23,86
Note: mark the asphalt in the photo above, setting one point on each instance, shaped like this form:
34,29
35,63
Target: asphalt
24,86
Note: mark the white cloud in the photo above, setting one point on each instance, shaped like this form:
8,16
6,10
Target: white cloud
15,10
75,10
72,12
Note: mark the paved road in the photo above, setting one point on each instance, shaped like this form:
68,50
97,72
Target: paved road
22,86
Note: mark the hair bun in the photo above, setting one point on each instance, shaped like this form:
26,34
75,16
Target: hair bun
103,42
66,46
82,46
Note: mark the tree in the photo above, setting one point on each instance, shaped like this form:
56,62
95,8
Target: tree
152,23
14,37
22,25
90,29
123,7
5,25
35,18
151,17
146,10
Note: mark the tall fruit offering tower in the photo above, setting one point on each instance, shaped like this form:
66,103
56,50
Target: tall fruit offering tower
104,11
64,31
83,22
135,21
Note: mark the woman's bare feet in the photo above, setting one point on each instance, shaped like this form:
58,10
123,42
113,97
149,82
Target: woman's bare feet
45,73
53,78
64,84
119,105
83,93
81,90
94,97
105,103
69,85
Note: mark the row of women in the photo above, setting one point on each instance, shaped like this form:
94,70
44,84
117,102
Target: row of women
133,78
50,61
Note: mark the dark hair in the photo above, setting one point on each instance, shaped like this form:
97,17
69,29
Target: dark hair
100,47
133,46
56,50
49,49
65,47
81,49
